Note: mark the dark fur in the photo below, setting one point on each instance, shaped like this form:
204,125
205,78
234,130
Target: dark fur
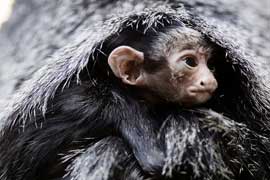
73,117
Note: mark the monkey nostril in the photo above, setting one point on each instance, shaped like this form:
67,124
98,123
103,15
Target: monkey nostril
202,83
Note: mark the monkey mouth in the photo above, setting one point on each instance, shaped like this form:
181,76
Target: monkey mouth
199,95
195,92
196,97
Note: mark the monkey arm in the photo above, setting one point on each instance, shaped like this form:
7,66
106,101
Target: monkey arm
142,137
108,158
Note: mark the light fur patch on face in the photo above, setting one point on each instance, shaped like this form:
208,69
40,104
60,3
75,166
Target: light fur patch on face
177,39
5,10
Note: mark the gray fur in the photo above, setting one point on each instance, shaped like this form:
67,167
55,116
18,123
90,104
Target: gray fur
48,59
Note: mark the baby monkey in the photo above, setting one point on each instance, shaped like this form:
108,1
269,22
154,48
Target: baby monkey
170,66
175,67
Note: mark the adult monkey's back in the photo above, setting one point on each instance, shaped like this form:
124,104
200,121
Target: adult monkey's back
248,149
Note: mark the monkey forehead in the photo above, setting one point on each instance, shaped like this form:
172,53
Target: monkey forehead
180,38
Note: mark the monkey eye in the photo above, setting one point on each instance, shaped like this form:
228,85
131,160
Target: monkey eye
211,67
190,61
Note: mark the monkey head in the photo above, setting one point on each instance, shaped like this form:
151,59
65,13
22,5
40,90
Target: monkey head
185,77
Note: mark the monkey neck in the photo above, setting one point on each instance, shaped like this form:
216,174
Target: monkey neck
147,96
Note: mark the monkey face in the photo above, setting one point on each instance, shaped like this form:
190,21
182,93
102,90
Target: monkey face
191,79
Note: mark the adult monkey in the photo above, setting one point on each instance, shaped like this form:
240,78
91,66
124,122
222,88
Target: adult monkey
208,167
174,69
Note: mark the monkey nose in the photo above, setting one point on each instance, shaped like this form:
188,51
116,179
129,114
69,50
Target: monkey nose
208,84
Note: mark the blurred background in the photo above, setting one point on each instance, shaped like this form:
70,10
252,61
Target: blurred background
5,10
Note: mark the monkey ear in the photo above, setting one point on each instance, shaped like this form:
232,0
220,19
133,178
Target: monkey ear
126,63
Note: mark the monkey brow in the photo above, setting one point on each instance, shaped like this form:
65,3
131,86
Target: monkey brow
188,46
192,46
195,43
